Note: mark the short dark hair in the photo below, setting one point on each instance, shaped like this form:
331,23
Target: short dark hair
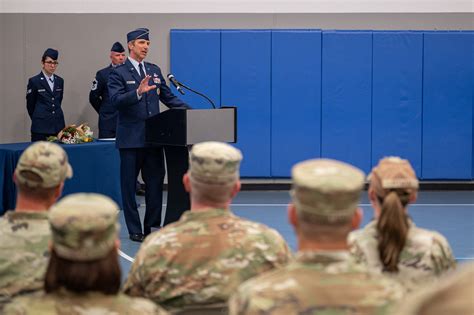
318,228
102,275
214,193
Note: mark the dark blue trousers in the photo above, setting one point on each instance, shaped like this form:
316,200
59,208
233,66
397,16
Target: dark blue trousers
150,162
177,163
104,133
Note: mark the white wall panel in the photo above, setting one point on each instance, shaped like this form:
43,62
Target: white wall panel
237,6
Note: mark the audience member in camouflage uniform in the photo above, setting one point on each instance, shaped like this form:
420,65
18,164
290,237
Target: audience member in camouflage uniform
24,233
83,274
392,243
453,295
323,279
202,258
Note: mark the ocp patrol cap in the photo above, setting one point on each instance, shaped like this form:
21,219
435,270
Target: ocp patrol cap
84,226
327,189
43,164
214,163
395,173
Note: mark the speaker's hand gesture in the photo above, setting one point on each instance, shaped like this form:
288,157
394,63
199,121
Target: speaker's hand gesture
144,87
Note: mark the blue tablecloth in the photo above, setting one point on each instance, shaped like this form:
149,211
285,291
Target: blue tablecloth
96,168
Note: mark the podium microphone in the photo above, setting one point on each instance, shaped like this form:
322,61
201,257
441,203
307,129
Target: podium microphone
175,83
178,85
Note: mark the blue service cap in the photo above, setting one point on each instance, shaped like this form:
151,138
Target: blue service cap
139,33
117,47
52,53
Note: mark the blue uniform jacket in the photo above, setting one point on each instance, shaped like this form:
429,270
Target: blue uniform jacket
132,112
44,105
99,99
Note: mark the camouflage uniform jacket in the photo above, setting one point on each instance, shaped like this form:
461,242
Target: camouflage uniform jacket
424,258
317,282
23,253
202,259
66,303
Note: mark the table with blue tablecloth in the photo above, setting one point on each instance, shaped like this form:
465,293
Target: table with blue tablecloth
96,168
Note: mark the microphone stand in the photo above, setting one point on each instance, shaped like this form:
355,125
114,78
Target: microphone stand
198,93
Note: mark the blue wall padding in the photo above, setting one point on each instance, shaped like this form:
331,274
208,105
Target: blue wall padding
246,83
346,97
397,96
447,105
196,61
470,47
296,99
351,95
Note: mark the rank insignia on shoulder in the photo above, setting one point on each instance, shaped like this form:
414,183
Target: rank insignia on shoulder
94,85
28,91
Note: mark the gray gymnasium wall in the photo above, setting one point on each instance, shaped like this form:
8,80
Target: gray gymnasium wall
84,41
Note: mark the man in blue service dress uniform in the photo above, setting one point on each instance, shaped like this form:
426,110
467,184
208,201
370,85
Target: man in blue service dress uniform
99,94
135,89
44,95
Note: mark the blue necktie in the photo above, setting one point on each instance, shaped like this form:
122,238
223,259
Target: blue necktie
140,71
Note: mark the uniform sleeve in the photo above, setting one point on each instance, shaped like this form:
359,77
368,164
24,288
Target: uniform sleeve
133,285
144,278
246,301
31,95
62,94
237,303
354,248
119,96
442,255
17,307
283,251
145,307
96,92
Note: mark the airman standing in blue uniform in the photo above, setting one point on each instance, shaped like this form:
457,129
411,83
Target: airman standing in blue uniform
135,90
99,94
44,95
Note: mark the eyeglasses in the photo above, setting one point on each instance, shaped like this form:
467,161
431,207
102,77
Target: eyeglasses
52,62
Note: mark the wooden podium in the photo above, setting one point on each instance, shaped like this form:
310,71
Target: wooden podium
177,128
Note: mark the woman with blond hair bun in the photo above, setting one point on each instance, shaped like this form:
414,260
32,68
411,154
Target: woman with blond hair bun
392,243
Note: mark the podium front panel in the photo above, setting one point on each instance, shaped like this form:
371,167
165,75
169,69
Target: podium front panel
210,125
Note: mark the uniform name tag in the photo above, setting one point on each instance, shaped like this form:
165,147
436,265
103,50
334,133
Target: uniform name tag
41,90
59,89
130,82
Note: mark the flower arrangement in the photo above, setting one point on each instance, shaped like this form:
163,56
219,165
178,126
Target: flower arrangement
72,134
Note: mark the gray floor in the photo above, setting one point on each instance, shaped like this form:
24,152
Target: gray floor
448,212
